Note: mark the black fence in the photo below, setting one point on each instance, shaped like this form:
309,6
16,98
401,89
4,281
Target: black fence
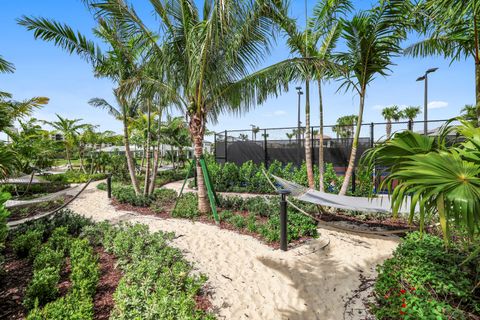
287,145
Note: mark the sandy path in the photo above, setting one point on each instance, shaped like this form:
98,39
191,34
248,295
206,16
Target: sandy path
252,281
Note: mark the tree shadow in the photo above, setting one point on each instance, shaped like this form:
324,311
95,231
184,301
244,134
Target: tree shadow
324,279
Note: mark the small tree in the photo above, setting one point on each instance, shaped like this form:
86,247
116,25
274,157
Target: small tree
389,114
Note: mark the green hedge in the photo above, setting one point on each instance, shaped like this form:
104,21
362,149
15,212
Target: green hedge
75,177
423,280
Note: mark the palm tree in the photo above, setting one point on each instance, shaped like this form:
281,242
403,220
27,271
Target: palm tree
345,125
324,27
469,113
410,113
451,30
389,114
255,131
70,129
120,63
202,59
290,135
372,38
243,137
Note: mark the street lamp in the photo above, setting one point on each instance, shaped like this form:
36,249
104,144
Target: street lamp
425,102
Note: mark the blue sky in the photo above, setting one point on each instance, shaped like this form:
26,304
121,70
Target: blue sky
44,70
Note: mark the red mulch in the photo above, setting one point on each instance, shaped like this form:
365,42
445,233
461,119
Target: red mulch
109,277
18,273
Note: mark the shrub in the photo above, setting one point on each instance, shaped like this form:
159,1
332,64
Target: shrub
252,223
233,203
262,207
424,281
237,221
3,227
187,206
59,240
48,257
70,307
75,177
126,194
28,244
164,198
43,287
102,186
298,226
225,215
85,270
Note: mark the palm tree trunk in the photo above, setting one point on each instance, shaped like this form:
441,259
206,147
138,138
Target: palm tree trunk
477,89
353,154
308,140
82,167
389,129
156,156
197,130
320,139
146,187
128,154
67,152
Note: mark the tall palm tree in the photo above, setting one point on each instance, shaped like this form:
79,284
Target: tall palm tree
389,114
410,113
327,23
345,125
121,61
451,29
203,59
70,130
372,39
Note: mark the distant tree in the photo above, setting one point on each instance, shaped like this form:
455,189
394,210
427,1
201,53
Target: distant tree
469,112
243,136
290,135
389,114
345,125
410,113
255,130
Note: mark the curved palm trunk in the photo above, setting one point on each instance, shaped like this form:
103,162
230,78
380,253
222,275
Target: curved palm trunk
197,130
477,89
353,154
128,154
67,154
320,140
308,140
389,129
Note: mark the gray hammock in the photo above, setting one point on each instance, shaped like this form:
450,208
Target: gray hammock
50,197
379,204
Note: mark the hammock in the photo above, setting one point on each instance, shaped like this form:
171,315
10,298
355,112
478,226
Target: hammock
16,223
380,204
50,197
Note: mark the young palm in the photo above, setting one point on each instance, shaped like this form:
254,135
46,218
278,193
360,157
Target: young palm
469,113
410,113
451,29
372,39
389,114
120,63
70,130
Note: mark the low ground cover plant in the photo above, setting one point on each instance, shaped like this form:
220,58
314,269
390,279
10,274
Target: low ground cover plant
72,176
424,281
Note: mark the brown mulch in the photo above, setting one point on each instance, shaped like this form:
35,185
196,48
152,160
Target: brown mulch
109,277
13,283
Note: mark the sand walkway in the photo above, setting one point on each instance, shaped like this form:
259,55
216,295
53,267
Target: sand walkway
250,280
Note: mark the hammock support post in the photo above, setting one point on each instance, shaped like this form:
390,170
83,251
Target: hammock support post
283,219
109,186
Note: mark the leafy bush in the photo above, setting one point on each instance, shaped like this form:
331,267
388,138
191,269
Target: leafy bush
28,244
43,287
3,226
48,257
424,281
298,226
75,177
126,194
59,240
261,206
237,221
164,198
102,186
187,206
85,270
233,203
69,307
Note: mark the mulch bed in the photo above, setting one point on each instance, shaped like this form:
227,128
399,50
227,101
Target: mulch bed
13,283
18,273
209,220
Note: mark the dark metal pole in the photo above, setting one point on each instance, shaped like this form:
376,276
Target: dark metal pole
283,219
226,145
425,107
299,149
215,146
372,135
265,153
410,125
109,186
354,178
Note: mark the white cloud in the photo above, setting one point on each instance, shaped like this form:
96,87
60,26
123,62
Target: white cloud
437,104
278,113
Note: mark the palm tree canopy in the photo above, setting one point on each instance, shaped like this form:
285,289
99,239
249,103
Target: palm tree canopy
391,113
410,113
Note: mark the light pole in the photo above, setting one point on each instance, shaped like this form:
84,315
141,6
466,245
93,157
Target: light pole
425,101
299,91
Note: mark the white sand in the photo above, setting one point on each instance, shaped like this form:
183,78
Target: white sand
252,281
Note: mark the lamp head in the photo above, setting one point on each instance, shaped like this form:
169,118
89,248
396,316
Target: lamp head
298,88
421,78
300,92
431,70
